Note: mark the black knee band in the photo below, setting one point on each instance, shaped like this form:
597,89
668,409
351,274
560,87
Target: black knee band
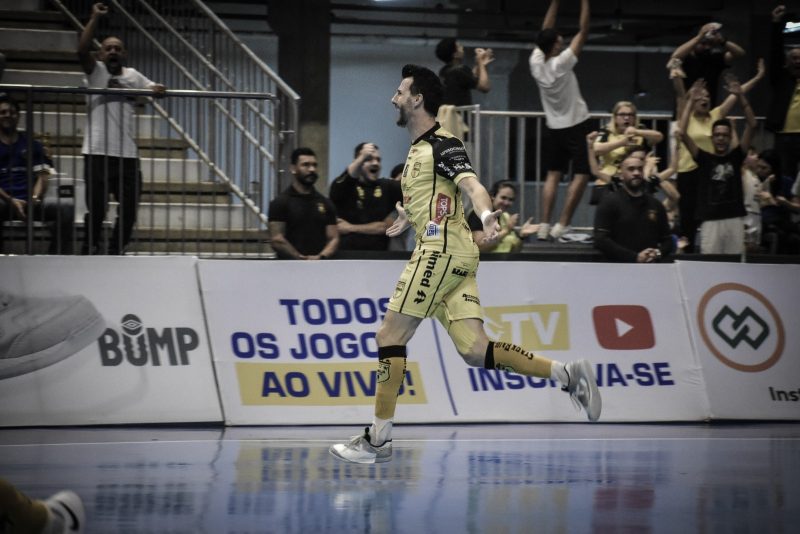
392,351
488,363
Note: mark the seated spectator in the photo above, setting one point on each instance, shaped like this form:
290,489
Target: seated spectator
508,239
630,225
458,78
704,57
364,201
719,191
656,180
302,222
777,205
622,132
21,195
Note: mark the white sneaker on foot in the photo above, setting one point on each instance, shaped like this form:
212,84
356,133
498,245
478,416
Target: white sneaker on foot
582,387
543,232
65,514
559,230
359,450
36,332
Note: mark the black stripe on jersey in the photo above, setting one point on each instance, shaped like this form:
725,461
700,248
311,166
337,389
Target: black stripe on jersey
410,282
439,285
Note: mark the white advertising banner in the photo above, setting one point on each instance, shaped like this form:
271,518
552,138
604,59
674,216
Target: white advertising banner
627,320
294,343
88,340
744,323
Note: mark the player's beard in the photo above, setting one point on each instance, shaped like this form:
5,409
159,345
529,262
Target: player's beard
402,118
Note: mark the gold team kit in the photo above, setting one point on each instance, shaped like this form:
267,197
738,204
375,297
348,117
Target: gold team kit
439,279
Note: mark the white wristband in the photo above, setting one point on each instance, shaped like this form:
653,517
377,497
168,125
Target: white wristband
485,214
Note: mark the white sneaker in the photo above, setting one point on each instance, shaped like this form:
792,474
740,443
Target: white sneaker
544,231
37,332
359,450
559,230
65,514
582,387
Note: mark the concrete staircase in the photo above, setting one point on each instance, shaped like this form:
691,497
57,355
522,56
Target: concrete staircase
182,209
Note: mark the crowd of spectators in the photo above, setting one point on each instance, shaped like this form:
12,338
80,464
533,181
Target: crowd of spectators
718,194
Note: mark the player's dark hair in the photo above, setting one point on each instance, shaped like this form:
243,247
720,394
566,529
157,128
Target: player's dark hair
427,84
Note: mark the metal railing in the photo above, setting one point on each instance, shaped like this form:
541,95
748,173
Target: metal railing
507,145
188,204
184,45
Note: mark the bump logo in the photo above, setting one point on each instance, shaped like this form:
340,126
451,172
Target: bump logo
623,327
140,345
741,327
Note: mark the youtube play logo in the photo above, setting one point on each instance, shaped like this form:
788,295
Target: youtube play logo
623,327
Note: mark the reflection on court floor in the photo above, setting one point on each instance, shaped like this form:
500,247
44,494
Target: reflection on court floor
481,478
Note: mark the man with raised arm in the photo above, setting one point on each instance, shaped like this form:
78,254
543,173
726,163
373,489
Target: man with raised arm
552,66
111,158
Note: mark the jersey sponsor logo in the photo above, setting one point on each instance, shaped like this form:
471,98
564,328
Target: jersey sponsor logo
421,296
460,272
471,298
432,230
430,265
443,203
453,150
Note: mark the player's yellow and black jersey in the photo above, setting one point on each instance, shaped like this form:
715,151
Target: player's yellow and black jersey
436,162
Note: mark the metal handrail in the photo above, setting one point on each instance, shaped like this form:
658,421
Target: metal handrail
246,200
485,141
280,128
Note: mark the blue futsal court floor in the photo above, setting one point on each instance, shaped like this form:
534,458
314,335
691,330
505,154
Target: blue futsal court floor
471,478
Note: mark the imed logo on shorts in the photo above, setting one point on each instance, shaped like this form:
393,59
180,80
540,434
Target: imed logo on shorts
740,327
535,326
623,327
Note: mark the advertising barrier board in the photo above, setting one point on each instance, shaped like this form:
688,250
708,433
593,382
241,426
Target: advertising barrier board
294,343
744,324
103,341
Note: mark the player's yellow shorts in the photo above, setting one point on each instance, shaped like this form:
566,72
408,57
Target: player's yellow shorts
435,283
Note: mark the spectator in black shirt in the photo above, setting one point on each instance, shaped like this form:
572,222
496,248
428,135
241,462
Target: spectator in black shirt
459,79
720,193
630,225
365,202
302,222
